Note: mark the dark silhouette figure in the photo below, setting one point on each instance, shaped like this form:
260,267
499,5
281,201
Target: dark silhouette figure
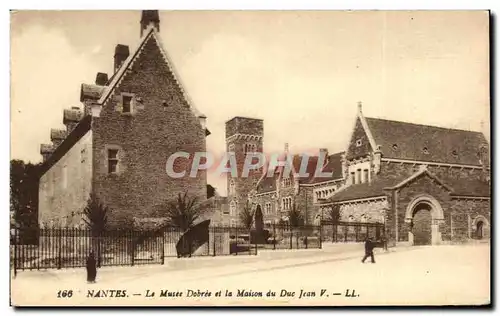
91,268
369,245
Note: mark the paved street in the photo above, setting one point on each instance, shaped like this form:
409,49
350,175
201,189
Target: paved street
419,275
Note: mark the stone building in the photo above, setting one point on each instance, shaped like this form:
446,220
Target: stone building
430,185
272,197
117,143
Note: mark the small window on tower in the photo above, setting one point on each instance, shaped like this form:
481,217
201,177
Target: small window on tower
126,104
426,150
359,143
112,160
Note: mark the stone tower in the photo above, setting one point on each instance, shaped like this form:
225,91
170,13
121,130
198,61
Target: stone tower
243,135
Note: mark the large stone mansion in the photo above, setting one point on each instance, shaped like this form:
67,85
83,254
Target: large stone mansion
428,184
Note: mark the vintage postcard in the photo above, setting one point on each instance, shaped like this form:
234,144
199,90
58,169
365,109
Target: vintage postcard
250,158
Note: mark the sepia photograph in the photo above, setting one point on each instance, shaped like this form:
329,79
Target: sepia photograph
250,158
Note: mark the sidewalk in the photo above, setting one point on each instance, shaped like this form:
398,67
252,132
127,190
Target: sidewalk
265,259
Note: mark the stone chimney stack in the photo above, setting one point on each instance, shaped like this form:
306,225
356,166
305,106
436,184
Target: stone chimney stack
46,150
71,118
360,107
101,78
150,17
121,54
57,136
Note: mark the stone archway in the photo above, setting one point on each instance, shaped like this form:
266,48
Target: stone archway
423,215
480,226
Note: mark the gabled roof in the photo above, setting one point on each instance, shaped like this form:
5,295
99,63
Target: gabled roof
334,165
380,187
365,190
410,141
128,63
423,171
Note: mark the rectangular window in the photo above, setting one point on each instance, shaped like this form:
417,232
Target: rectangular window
112,160
353,178
358,176
127,104
365,175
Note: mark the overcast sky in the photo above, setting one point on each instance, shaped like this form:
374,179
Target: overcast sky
302,72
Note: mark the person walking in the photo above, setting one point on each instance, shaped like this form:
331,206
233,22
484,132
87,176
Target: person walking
369,245
91,267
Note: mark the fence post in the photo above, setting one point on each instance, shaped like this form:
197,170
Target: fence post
274,236
132,248
163,247
15,252
357,232
320,236
59,261
213,234
236,242
346,228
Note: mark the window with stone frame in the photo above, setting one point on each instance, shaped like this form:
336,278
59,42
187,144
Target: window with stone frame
127,103
366,175
231,187
112,161
232,208
268,208
353,177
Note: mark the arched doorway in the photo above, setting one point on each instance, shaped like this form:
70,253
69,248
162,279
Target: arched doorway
423,215
422,221
479,229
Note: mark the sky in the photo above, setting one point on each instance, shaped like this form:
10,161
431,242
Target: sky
302,72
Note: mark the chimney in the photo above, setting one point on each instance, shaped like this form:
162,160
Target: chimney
57,136
71,118
121,54
46,150
150,17
101,78
323,152
360,107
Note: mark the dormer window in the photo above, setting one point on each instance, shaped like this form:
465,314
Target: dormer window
425,150
359,143
395,147
454,153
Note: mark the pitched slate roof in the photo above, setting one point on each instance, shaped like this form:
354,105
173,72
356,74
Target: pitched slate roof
334,165
403,140
379,187
469,187
267,184
364,190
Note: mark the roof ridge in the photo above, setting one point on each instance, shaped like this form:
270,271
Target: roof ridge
426,125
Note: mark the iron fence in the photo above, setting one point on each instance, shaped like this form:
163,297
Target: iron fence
352,231
58,248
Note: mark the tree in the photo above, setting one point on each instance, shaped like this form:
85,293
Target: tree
334,214
24,199
296,219
95,215
183,211
210,191
246,216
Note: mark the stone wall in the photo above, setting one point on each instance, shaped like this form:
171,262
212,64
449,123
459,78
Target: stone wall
65,187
